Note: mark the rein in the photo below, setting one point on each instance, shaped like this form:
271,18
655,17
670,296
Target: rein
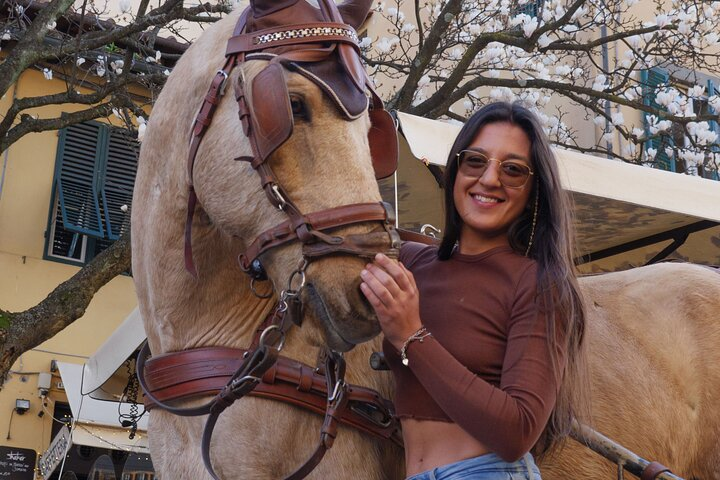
267,125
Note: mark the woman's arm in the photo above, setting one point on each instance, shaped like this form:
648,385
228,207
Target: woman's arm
507,419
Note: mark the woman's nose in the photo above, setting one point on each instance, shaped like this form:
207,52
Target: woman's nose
491,175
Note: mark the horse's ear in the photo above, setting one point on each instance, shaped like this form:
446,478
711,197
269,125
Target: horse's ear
260,8
354,12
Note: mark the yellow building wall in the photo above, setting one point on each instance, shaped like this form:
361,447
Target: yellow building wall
26,279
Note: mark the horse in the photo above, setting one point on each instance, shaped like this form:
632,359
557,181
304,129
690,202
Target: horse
652,343
325,164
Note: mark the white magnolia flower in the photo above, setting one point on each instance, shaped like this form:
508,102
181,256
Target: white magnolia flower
651,152
116,112
629,150
100,69
424,81
662,20
166,72
455,53
544,40
47,73
494,73
52,25
530,26
365,42
669,151
124,208
468,105
714,102
696,91
563,70
158,56
607,137
408,27
79,61
125,6
638,132
599,121
141,131
617,119
6,36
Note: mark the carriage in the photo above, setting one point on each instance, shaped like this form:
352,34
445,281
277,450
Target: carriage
213,310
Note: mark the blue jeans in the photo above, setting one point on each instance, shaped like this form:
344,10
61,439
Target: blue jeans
484,467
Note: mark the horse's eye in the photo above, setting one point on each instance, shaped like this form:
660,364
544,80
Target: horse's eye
298,107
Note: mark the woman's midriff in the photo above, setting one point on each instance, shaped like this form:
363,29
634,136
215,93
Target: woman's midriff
430,444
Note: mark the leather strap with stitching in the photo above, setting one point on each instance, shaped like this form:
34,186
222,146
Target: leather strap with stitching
205,371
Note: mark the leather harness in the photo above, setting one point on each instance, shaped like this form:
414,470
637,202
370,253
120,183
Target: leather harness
314,49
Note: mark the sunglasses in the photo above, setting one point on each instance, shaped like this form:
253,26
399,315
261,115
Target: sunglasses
512,174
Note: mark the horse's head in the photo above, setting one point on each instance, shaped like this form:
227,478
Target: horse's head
308,133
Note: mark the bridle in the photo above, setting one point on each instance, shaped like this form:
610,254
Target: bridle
229,374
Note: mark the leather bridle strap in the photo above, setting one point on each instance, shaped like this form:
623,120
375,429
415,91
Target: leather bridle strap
323,220
337,402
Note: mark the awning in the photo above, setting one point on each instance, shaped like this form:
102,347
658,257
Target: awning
625,214
104,377
97,422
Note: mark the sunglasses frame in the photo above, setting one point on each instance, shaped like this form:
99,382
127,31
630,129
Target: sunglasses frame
531,172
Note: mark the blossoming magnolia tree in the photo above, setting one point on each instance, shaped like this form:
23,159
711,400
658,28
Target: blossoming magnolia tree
95,56
617,64
645,72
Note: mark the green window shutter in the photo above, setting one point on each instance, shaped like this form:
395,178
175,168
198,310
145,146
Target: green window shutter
78,177
118,181
532,8
651,80
714,126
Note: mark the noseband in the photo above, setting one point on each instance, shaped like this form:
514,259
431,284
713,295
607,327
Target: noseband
229,374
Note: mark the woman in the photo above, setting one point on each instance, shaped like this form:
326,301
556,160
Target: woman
486,331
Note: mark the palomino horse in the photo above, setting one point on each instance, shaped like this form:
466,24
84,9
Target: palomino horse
654,357
324,164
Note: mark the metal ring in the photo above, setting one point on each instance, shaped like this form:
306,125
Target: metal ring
290,288
267,331
267,295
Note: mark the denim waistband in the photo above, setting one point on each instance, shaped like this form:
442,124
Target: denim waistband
487,466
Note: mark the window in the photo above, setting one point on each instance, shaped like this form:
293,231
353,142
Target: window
528,7
665,144
92,195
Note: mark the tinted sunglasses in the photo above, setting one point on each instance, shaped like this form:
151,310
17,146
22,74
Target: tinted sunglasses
512,174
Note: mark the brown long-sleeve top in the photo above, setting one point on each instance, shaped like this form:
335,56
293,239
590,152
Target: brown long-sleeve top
487,366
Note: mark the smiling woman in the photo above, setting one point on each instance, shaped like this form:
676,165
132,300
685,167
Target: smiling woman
483,334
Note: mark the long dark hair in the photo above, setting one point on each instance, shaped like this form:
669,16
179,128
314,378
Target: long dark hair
552,248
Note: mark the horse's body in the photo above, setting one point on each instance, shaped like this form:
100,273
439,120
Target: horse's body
654,355
653,333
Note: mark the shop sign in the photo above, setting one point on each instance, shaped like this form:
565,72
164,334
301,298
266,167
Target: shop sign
17,463
55,453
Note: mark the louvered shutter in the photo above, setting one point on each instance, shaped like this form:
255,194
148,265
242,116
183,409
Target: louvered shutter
118,182
651,80
714,126
78,175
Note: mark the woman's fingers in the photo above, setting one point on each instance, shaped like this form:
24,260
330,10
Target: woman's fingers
395,270
380,283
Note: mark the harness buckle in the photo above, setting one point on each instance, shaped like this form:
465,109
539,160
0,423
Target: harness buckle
278,196
224,81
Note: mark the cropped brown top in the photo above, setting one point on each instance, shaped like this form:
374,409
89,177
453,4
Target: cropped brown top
487,366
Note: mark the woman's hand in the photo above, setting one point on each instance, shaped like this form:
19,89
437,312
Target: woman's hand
390,288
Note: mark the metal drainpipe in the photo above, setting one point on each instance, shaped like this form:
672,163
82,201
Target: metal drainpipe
6,153
606,68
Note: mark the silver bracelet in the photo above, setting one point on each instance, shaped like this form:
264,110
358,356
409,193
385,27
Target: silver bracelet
420,335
